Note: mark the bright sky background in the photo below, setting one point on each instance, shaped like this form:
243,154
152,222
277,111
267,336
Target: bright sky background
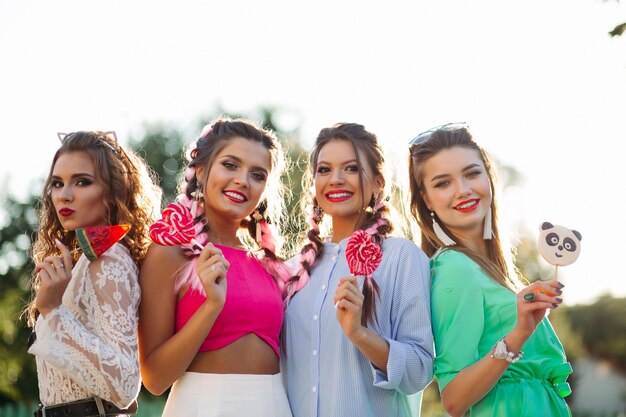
541,83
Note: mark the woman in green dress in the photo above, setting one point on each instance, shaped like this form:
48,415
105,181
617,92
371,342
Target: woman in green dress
496,352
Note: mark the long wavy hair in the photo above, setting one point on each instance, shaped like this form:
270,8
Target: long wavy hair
368,152
213,138
495,264
130,196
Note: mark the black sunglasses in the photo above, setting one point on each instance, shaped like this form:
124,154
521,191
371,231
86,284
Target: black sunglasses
424,136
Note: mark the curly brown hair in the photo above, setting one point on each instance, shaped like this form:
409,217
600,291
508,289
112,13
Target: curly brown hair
131,197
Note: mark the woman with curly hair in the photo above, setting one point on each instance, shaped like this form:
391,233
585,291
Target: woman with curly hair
85,313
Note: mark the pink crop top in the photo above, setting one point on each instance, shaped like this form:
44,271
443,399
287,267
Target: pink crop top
253,304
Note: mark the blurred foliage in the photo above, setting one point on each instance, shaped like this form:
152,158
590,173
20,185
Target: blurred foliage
602,327
162,148
17,369
618,30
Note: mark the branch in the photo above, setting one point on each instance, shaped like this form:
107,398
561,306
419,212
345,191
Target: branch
618,30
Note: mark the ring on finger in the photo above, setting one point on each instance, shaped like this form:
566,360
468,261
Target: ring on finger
530,297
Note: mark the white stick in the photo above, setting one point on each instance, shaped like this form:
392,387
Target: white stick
195,242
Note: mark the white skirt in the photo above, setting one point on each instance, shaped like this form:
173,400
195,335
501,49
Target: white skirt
224,395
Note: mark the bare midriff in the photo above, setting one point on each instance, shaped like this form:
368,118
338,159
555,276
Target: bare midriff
247,355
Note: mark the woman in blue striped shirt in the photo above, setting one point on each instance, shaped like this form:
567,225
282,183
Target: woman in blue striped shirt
353,352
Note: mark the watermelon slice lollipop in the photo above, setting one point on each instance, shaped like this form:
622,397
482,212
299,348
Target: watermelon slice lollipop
175,227
96,240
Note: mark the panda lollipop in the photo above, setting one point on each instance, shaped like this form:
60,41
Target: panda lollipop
559,245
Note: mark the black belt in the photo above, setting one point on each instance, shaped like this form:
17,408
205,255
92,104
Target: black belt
88,407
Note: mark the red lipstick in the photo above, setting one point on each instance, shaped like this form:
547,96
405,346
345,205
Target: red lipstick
235,196
337,196
66,212
467,206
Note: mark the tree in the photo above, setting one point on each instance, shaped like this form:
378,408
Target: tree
602,326
162,148
17,368
619,29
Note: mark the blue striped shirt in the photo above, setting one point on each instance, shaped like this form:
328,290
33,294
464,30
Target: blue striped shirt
325,374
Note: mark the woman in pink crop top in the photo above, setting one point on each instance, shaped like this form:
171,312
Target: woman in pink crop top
210,319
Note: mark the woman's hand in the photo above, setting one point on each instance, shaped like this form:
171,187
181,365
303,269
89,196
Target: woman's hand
349,302
212,267
54,273
533,301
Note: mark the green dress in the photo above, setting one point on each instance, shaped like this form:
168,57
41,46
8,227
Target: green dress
470,313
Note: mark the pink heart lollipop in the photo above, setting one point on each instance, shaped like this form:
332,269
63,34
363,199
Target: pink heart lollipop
175,227
362,254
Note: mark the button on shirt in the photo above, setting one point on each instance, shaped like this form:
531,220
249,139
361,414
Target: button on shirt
325,374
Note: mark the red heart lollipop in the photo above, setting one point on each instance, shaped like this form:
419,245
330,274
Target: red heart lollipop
175,228
362,254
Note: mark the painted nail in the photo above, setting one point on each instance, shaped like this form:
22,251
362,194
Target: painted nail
558,291
560,300
555,305
561,284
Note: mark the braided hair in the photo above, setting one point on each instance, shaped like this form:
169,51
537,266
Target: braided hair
213,138
373,220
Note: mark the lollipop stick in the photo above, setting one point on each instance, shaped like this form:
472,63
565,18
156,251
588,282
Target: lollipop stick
195,242
556,271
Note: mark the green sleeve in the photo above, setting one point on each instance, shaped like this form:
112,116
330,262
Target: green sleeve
457,314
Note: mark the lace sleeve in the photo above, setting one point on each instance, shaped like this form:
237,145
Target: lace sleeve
92,336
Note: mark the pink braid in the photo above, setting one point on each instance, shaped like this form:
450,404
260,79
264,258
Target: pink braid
307,256
268,240
274,266
373,229
206,130
190,173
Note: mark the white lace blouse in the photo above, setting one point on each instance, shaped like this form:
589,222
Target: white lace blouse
88,345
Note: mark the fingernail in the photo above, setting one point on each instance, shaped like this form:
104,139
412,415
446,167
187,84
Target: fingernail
561,284
560,300
558,291
555,305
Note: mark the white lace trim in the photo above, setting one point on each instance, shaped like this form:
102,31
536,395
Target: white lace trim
88,345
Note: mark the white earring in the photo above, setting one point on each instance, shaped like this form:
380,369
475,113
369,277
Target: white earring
487,232
445,239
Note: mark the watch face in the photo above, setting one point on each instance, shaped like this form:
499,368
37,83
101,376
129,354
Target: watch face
559,245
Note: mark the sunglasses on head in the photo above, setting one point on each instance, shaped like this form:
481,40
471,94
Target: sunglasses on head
424,136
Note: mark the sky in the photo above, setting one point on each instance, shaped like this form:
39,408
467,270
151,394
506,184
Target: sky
541,84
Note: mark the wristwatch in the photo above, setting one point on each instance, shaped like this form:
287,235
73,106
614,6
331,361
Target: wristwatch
501,351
